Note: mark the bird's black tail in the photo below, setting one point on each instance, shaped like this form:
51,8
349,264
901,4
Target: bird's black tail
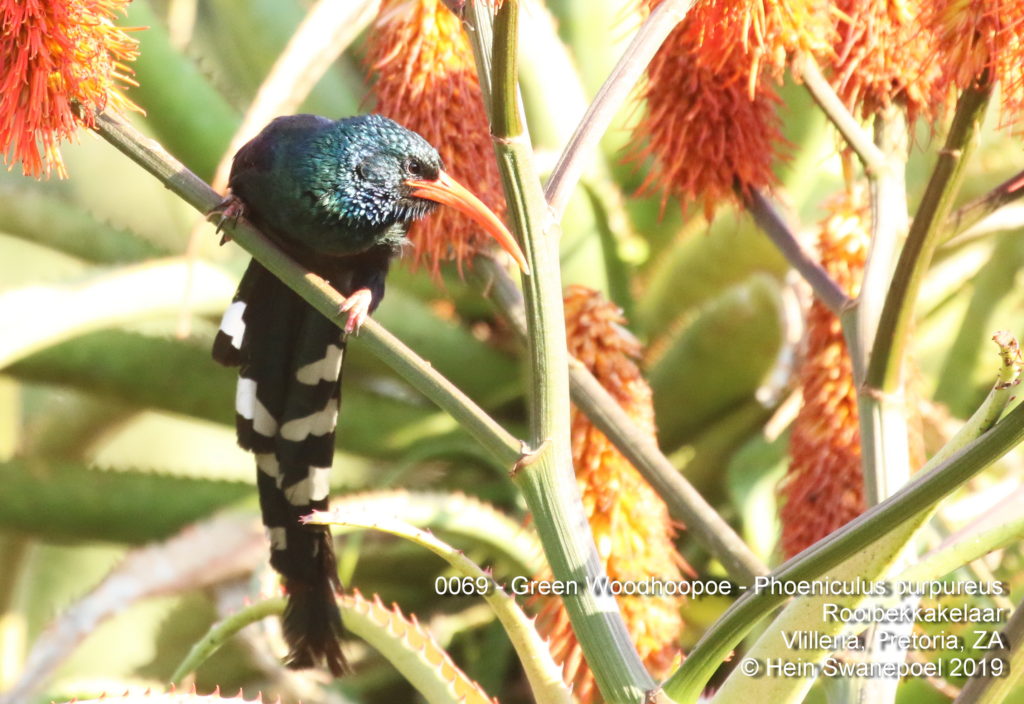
289,357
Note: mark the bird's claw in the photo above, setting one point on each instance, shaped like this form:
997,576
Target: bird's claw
357,306
227,212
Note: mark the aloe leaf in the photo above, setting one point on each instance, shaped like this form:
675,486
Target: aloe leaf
218,549
38,316
703,456
182,378
43,217
485,374
180,375
188,115
717,361
412,650
544,674
23,262
166,698
67,500
752,480
64,425
403,641
453,514
698,267
245,37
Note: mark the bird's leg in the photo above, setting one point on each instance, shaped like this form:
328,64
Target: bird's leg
228,211
357,306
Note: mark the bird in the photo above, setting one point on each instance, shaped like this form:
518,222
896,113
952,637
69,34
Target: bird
338,196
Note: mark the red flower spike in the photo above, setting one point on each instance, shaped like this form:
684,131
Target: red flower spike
63,62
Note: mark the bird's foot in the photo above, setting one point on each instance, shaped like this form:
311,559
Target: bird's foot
358,308
227,212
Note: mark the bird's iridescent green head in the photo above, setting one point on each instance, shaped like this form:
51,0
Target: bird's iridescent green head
363,170
370,173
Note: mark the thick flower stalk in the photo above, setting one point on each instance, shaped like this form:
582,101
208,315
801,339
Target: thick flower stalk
824,486
710,126
63,62
425,78
630,522
885,54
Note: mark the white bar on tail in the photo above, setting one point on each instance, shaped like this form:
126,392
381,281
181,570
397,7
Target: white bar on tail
326,369
318,423
232,324
250,408
278,538
315,487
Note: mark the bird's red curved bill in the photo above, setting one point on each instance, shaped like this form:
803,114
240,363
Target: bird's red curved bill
448,191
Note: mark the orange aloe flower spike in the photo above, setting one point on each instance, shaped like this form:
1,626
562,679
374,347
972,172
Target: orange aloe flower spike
823,487
631,526
63,62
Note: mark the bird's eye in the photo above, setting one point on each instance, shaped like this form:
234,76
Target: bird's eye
414,167
362,170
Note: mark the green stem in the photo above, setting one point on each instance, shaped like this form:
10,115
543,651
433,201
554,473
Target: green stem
415,370
609,99
921,494
504,95
978,209
685,504
873,158
221,632
888,227
546,477
882,418
772,224
890,341
885,453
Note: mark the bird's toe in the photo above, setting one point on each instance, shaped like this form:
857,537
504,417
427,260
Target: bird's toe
357,306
